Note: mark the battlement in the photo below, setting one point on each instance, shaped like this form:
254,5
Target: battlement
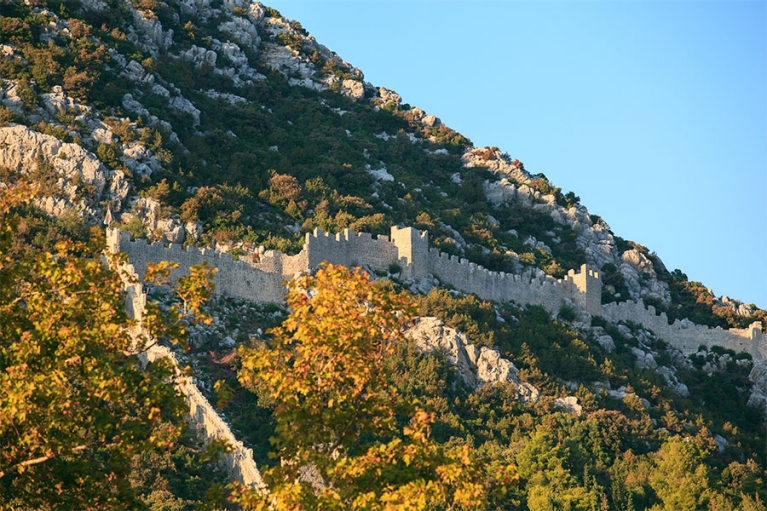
203,418
413,247
685,335
589,286
262,279
348,249
234,278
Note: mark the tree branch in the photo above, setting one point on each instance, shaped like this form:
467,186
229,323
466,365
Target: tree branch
35,461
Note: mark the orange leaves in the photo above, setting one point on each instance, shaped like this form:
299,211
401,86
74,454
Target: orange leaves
196,288
159,273
68,384
336,409
328,352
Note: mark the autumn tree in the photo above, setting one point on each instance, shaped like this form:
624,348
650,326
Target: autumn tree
75,404
339,433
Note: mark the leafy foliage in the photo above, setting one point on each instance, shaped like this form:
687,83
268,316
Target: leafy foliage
75,405
336,412
266,171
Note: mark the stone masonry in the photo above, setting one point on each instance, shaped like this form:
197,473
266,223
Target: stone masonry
261,278
202,417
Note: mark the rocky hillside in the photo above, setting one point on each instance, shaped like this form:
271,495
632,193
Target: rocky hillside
221,123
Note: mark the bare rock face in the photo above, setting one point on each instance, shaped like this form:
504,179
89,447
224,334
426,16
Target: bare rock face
389,96
430,334
79,174
159,225
149,34
497,162
640,277
607,342
353,88
569,404
672,381
242,30
431,121
476,366
57,100
644,360
758,377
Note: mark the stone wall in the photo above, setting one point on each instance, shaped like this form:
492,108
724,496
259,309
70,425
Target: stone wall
685,335
206,422
412,250
524,289
349,249
260,278
208,425
274,261
234,278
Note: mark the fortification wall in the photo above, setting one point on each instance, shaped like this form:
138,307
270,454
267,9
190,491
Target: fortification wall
274,261
135,298
685,335
203,418
349,249
586,289
583,288
237,279
263,280
208,425
412,251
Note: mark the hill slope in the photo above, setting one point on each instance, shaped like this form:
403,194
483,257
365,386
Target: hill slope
223,123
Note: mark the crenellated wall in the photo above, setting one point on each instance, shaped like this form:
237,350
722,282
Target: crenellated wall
261,279
412,251
234,278
349,249
203,418
685,335
208,425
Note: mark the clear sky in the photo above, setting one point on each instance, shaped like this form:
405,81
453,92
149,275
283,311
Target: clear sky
654,113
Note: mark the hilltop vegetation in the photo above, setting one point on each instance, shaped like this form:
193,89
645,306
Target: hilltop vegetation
222,123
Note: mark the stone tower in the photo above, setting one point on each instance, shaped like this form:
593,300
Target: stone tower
587,290
412,249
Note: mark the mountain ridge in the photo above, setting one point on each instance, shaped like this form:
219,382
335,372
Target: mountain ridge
221,124
349,81
614,115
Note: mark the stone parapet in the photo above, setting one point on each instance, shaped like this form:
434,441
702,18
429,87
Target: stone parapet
203,418
685,335
261,279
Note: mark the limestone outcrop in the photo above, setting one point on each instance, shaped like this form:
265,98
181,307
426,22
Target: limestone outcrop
595,238
159,225
758,376
476,366
79,179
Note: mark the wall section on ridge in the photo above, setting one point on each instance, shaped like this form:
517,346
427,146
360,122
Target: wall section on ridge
685,335
261,279
203,418
349,249
237,279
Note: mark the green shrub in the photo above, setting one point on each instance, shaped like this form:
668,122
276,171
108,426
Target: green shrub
567,313
134,227
7,116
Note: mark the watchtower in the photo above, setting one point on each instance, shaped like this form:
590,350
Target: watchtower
587,290
412,250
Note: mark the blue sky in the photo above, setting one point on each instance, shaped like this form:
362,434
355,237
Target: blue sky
654,113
